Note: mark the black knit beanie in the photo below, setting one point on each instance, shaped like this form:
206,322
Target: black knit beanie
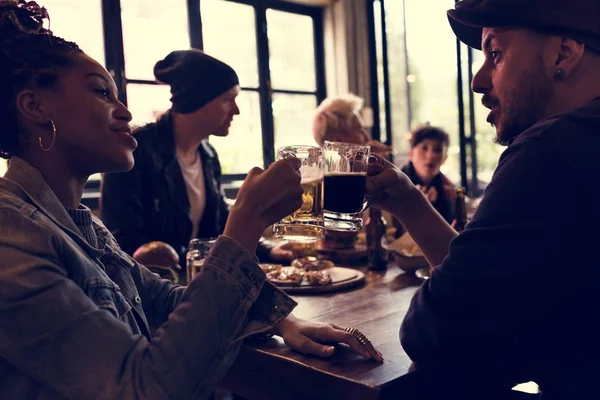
195,78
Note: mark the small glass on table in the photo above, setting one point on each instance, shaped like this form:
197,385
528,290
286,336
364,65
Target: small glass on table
306,223
198,250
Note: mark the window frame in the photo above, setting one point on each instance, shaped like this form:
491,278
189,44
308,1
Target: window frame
467,129
265,89
115,58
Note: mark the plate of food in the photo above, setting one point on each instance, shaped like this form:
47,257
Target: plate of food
407,254
311,275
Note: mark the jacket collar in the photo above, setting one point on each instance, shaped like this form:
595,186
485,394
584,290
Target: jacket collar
165,138
37,192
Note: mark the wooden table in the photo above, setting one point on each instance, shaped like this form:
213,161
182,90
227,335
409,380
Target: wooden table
269,370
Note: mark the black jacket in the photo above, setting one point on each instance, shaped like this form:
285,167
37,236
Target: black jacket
443,204
517,297
150,202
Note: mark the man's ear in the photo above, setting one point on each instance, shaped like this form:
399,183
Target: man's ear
568,58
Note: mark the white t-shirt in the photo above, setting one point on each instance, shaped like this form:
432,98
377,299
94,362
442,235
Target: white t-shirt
193,175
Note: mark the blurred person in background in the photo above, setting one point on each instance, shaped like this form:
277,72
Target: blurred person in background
428,152
173,193
338,119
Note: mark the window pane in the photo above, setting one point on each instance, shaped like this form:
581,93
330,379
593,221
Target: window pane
380,71
229,34
241,150
147,102
399,81
66,21
291,51
293,116
151,30
432,54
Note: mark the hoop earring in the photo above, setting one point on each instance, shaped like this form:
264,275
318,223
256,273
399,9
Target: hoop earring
53,138
559,74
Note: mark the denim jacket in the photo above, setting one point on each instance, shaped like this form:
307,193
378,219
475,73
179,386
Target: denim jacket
74,319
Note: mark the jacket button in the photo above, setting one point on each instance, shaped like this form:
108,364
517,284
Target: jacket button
137,299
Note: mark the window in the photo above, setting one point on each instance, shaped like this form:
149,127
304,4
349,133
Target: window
399,79
431,49
229,34
147,102
67,22
144,25
273,47
293,76
424,71
291,51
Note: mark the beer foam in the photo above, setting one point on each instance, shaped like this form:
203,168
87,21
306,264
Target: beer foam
338,173
311,174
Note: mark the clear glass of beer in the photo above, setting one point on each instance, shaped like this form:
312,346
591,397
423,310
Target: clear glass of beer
306,223
344,185
198,250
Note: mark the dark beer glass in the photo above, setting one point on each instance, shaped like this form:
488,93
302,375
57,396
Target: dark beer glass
344,185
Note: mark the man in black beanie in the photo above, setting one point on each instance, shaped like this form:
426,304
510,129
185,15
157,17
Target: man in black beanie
195,79
174,194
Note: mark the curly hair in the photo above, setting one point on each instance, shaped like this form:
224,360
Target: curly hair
427,131
30,56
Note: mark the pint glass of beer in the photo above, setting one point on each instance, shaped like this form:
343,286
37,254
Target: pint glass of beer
306,223
344,185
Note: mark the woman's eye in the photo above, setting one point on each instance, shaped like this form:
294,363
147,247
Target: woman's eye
103,92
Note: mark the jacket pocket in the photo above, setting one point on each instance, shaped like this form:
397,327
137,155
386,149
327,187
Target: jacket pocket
107,296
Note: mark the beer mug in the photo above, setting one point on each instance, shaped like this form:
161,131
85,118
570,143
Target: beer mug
198,250
344,184
306,223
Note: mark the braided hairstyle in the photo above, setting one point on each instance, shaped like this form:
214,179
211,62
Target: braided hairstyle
30,56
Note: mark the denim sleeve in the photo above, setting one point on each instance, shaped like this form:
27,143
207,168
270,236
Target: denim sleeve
52,332
160,297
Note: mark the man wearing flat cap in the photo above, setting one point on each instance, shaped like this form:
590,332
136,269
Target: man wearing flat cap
515,297
173,193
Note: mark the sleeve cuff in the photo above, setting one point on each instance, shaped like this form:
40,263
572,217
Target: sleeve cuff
236,261
272,305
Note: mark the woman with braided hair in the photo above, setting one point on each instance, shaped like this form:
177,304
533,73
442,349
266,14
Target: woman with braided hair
76,311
